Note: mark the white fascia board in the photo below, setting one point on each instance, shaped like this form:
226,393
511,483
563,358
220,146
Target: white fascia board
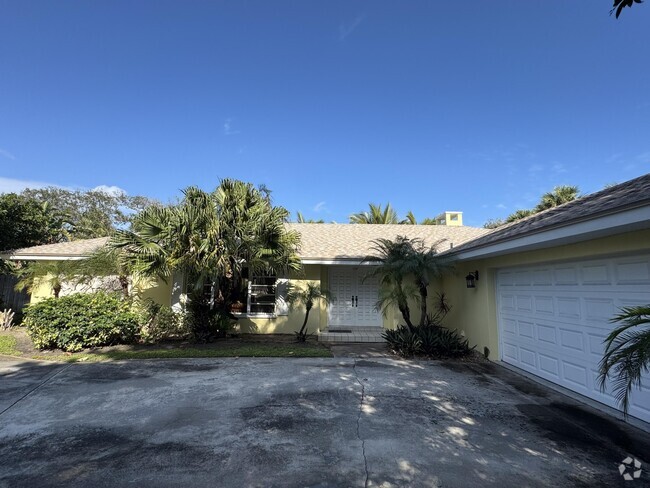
338,262
607,225
40,257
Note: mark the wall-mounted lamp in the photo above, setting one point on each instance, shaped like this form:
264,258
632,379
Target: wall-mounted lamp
471,279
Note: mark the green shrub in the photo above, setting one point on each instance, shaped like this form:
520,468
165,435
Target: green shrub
81,320
403,341
160,322
431,341
204,321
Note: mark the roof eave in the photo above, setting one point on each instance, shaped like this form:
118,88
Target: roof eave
601,225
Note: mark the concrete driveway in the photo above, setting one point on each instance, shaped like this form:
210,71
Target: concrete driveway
300,422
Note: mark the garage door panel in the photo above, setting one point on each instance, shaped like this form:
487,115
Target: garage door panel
524,303
546,333
636,272
568,307
544,305
572,339
553,320
566,275
510,351
526,329
549,365
507,302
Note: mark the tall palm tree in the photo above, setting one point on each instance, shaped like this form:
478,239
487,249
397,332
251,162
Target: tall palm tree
212,238
300,218
411,220
376,215
307,296
559,196
627,353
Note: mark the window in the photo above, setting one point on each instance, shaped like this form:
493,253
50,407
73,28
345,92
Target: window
261,294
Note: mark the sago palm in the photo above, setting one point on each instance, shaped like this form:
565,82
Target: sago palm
627,353
308,296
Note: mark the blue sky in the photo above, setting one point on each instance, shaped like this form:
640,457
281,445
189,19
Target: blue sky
474,106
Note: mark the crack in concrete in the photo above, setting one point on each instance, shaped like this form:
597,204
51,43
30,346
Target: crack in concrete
36,387
363,442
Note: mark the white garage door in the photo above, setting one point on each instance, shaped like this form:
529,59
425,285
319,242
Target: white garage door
553,320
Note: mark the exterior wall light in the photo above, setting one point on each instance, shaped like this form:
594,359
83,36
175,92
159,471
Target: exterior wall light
471,279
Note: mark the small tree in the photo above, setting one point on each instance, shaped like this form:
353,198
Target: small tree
627,353
308,296
51,273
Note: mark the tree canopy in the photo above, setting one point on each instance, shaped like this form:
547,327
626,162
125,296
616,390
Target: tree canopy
88,214
26,222
559,196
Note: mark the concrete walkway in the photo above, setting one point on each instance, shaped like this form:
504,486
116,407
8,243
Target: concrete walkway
299,422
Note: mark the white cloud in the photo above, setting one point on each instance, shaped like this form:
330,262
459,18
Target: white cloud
559,168
345,29
114,191
227,128
6,154
535,168
320,206
501,206
11,185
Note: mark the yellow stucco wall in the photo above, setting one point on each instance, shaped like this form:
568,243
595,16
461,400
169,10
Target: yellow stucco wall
474,310
156,289
41,291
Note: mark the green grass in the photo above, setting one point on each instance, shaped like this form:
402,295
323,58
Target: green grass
8,346
237,350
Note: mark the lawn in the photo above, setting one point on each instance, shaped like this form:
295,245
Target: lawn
17,343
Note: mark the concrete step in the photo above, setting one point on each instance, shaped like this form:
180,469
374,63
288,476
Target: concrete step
340,334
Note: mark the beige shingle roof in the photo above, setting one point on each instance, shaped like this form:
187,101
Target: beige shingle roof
318,241
79,248
354,241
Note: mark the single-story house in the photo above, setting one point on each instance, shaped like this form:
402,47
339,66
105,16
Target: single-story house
544,288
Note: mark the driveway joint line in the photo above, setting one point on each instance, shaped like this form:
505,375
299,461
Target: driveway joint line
46,380
363,442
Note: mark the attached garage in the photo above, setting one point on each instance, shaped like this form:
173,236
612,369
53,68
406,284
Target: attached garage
549,285
554,318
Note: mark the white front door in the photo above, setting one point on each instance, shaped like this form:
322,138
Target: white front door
353,298
554,318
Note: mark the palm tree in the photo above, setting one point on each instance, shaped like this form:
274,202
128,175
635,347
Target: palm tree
308,297
392,257
104,262
424,264
50,273
519,214
376,215
212,238
559,196
627,353
300,218
411,220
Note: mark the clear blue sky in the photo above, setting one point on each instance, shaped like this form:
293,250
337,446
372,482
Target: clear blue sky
467,105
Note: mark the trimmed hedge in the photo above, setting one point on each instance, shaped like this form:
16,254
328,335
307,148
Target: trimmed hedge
81,320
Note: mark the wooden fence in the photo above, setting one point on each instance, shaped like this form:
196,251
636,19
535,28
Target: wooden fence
9,297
